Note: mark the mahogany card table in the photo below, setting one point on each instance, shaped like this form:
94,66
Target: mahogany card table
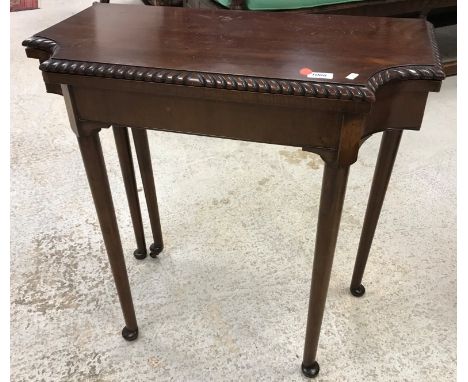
322,83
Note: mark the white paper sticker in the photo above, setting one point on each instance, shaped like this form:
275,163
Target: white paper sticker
327,76
352,76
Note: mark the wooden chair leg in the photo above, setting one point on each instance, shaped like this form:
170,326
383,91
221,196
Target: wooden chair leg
331,204
383,171
140,139
124,152
93,160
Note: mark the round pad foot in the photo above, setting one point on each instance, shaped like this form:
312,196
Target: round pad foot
311,371
155,250
129,335
139,254
359,291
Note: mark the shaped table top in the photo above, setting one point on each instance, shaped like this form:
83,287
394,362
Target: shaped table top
346,57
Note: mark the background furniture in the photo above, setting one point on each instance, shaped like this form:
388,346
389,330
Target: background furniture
146,2
22,5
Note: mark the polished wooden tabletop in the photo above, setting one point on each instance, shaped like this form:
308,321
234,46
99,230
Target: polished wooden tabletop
319,82
296,47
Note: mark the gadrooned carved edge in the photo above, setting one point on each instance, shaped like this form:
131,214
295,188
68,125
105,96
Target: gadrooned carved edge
435,47
403,73
434,72
232,82
36,42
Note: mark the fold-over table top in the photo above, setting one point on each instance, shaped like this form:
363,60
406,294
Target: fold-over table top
271,52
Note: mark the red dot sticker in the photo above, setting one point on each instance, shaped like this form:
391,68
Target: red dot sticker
305,71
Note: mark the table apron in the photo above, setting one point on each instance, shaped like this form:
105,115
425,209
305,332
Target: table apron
289,126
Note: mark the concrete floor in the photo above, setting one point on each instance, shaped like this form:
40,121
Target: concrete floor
227,299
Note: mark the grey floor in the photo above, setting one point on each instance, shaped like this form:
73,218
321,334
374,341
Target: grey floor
227,299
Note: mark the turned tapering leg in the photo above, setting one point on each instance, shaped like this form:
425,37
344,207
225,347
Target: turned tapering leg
140,139
91,152
331,205
124,152
383,171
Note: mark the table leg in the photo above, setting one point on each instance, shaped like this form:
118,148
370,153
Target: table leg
383,171
124,152
331,205
140,139
93,160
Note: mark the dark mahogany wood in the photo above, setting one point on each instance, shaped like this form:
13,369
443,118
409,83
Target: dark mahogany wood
236,75
124,152
438,12
383,171
140,139
93,161
254,51
331,204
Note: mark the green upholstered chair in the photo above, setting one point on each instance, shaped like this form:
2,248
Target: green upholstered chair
274,5
405,8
